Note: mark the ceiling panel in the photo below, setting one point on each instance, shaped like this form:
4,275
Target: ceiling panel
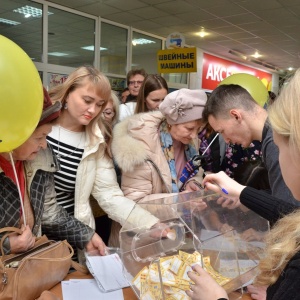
98,9
173,7
270,26
226,10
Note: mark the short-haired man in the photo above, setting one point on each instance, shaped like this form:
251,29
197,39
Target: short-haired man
135,79
231,111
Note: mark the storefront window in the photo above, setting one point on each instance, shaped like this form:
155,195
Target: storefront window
71,39
113,50
21,22
176,77
144,52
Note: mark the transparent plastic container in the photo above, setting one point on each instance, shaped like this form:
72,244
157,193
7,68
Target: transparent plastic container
200,231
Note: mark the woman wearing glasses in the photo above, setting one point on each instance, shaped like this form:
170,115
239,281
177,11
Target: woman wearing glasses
135,79
111,110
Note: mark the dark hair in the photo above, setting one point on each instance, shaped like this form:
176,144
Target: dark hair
226,97
135,72
151,83
272,97
125,90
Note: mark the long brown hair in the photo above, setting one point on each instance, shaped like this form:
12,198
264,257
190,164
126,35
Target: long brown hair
151,83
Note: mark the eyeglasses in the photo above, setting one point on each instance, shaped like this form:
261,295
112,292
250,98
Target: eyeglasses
108,113
138,82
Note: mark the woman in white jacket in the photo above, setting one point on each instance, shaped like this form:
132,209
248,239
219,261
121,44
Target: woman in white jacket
86,167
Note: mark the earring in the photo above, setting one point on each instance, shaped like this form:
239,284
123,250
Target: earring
66,106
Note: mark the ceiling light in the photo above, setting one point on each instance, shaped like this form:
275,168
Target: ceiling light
30,11
290,68
57,54
91,48
202,33
142,41
9,22
256,55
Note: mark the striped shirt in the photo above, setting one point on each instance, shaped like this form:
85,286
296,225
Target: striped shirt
69,154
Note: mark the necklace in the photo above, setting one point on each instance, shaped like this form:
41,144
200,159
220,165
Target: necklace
60,155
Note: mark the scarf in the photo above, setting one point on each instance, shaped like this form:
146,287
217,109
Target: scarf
168,150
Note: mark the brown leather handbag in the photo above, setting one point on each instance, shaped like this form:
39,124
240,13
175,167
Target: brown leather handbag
26,275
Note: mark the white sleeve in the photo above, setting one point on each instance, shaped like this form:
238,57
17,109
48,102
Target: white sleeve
124,112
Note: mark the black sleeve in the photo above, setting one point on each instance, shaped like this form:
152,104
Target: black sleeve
270,157
266,205
288,284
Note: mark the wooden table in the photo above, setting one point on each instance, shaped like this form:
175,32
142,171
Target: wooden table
128,292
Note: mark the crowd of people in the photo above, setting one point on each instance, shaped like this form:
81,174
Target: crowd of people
95,155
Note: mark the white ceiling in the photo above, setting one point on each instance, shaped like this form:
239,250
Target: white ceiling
270,27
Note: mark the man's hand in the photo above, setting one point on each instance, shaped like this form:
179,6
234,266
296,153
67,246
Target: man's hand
96,244
215,181
21,242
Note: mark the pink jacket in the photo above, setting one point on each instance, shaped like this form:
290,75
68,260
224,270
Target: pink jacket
137,151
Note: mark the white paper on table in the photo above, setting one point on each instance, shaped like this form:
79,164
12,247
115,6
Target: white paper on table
78,289
66,290
108,271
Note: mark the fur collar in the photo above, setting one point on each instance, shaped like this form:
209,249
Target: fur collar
131,139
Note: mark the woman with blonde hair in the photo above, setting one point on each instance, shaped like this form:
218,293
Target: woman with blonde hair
81,147
153,91
280,268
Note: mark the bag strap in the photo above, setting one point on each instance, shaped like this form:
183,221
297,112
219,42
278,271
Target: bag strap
11,229
79,267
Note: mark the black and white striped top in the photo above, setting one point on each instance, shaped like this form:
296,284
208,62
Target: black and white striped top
68,147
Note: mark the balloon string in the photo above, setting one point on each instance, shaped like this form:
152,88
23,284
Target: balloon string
210,143
18,186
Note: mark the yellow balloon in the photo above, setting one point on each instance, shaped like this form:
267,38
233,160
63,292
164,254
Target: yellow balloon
21,96
265,82
252,84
